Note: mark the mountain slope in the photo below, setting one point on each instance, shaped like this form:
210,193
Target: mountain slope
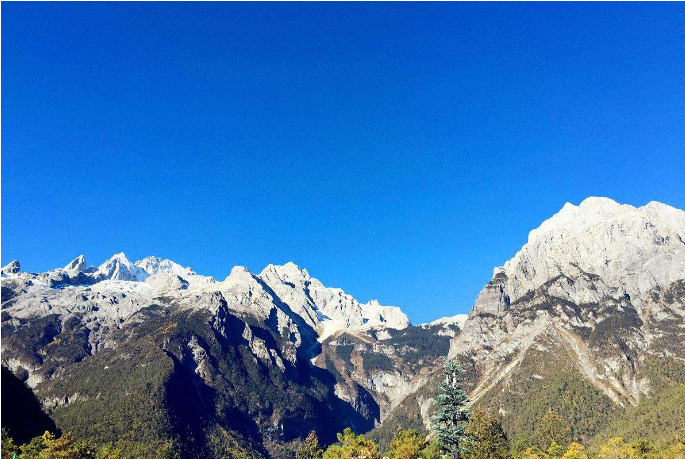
586,319
129,352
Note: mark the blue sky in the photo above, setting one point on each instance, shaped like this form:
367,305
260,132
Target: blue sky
399,151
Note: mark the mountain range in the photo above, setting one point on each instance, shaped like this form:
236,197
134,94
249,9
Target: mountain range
586,319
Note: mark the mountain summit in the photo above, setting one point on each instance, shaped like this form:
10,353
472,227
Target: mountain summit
632,249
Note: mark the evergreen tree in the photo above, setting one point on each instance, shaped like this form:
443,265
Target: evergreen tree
351,446
407,444
310,449
449,421
486,437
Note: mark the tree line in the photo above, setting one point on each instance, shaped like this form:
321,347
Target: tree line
458,433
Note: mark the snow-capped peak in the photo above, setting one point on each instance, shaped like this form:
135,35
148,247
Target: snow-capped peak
77,265
153,265
288,272
315,302
286,287
13,267
119,268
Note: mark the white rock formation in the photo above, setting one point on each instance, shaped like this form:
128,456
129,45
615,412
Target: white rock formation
586,264
153,265
316,303
77,265
119,268
118,288
632,249
457,320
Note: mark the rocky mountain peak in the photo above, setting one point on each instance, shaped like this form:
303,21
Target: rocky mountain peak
76,265
153,265
630,249
119,268
289,272
13,267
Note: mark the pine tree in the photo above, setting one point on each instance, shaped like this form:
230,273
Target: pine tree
449,421
310,449
487,439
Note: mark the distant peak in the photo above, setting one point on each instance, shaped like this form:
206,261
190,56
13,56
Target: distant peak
121,257
287,271
119,268
78,264
239,275
239,270
599,201
13,267
153,265
458,320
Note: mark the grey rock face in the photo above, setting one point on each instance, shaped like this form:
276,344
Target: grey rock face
493,299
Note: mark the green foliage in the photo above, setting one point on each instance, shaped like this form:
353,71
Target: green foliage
552,430
7,446
417,343
658,419
65,447
351,446
575,451
544,379
410,444
451,416
310,448
406,444
485,437
520,443
555,449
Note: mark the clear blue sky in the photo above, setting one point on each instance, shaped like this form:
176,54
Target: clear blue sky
399,151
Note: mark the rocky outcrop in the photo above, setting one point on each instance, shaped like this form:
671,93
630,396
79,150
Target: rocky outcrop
13,267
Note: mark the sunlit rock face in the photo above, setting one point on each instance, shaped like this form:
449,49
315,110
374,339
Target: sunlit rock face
593,269
592,304
632,250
